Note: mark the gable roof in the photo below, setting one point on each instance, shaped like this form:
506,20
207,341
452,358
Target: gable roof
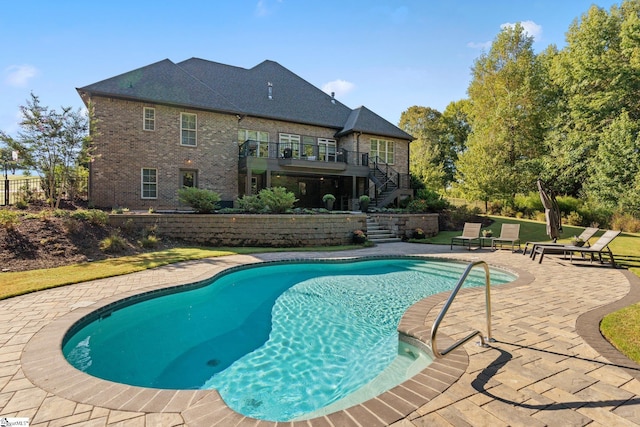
366,121
213,86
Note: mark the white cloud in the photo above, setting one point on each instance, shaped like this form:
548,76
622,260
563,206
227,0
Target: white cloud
266,7
340,87
477,45
19,75
530,28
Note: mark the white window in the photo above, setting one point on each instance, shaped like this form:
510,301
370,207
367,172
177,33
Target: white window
149,183
188,125
327,149
289,145
262,139
384,150
149,118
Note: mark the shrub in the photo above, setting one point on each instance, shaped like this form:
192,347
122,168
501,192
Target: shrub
359,236
113,244
203,201
574,218
625,222
434,199
21,204
418,233
427,201
328,197
528,204
277,199
93,216
9,219
149,241
250,203
268,200
508,211
568,204
454,218
495,208
418,205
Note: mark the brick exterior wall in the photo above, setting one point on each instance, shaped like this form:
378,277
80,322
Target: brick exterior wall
122,148
249,230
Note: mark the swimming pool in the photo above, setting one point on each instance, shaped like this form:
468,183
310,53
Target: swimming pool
277,340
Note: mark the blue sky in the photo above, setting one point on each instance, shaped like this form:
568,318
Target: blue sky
386,55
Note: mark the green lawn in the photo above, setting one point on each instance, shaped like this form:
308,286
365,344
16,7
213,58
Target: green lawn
22,282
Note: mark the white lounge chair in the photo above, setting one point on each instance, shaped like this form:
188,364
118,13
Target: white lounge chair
586,234
509,233
470,233
599,247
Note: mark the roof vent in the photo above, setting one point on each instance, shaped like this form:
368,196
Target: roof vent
333,97
270,89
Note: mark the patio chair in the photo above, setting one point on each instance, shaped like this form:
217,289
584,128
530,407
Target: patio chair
470,233
586,234
509,233
599,247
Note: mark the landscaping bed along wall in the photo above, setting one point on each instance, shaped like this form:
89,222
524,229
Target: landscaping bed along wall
285,230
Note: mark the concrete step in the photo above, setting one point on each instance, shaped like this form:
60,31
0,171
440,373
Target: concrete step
379,234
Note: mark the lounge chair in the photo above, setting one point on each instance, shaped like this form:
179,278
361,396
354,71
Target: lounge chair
509,233
599,247
586,234
470,233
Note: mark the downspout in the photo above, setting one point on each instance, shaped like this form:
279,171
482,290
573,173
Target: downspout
409,163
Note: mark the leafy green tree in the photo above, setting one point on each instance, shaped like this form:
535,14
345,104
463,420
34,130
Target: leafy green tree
507,114
426,154
53,143
456,129
598,77
616,162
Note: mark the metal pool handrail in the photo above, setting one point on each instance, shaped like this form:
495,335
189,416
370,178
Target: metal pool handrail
443,312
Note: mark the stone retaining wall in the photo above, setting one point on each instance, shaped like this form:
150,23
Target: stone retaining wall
403,225
249,230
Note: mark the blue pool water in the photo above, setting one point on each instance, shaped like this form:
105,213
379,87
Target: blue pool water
278,340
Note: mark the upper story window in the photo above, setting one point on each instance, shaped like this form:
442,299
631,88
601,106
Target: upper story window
262,139
188,124
149,118
149,178
383,149
327,149
289,145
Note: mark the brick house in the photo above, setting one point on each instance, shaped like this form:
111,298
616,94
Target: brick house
236,131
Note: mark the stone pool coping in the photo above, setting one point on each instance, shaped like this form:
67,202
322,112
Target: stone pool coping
44,364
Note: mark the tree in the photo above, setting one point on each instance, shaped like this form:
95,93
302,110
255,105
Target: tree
507,114
428,153
456,130
53,143
616,162
598,77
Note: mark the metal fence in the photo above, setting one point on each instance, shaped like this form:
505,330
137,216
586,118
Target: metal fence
26,190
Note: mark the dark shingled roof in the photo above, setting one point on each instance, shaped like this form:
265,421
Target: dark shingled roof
213,86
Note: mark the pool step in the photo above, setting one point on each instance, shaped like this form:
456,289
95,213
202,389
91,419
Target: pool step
379,234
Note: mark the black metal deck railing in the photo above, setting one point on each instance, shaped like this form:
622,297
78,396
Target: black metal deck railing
302,151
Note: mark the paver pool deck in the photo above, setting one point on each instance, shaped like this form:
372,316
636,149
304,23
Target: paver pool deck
549,365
